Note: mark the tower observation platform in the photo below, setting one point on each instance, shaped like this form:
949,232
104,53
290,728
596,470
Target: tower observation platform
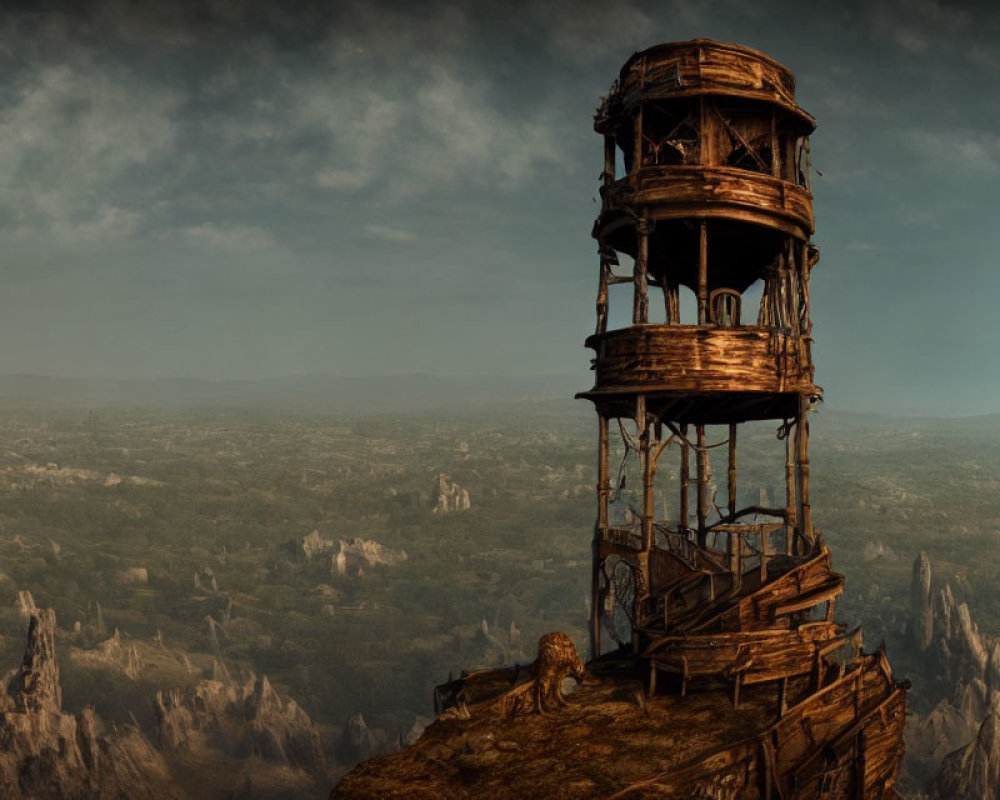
718,668
704,325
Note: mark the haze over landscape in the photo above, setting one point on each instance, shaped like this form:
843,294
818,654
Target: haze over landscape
244,190
294,306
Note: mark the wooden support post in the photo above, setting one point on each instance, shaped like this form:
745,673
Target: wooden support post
775,153
732,469
648,471
642,567
804,281
802,453
600,531
602,293
672,300
782,696
609,159
736,689
652,678
703,273
704,143
792,281
791,518
595,597
765,770
704,474
640,300
682,523
860,767
603,473
637,141
762,536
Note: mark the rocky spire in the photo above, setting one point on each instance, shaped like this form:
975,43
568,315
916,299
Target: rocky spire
973,771
35,686
921,624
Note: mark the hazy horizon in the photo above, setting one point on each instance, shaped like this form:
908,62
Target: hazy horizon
240,190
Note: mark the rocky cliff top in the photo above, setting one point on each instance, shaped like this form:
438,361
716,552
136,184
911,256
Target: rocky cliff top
609,738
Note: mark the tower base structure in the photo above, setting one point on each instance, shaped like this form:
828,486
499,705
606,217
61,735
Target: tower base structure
718,670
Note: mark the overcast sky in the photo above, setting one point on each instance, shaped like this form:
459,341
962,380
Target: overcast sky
228,190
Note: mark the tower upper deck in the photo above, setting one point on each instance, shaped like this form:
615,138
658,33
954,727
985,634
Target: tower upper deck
701,67
706,130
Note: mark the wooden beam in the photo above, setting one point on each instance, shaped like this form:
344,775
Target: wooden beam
703,273
672,301
640,302
775,154
682,522
600,531
602,294
704,474
609,159
732,469
802,439
791,518
637,141
642,567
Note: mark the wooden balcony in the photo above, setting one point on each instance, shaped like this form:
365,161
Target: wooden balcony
673,192
697,358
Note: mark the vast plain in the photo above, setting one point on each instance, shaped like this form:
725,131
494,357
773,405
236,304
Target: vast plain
320,545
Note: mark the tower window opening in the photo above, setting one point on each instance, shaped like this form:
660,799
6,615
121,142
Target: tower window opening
688,303
670,135
754,156
724,307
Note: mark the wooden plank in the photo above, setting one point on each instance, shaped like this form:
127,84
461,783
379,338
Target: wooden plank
698,359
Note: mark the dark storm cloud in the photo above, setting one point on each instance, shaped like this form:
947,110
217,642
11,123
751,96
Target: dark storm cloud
253,188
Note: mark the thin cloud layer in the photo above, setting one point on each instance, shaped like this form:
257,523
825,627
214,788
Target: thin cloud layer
243,189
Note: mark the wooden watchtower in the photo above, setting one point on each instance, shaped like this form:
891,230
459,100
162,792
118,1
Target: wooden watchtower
714,200
712,207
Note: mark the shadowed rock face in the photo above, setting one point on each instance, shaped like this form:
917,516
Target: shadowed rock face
241,720
35,686
972,773
921,624
45,753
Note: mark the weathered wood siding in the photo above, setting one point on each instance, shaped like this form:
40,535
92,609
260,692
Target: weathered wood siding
707,67
701,359
721,192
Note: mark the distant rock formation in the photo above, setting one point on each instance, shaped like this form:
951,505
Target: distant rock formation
352,556
920,628
361,742
315,545
940,625
451,496
26,603
138,576
972,773
46,753
112,652
205,581
956,737
248,720
879,551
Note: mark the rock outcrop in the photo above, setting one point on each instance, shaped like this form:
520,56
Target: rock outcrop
920,628
46,753
952,743
451,496
973,772
942,626
248,720
352,557
315,545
